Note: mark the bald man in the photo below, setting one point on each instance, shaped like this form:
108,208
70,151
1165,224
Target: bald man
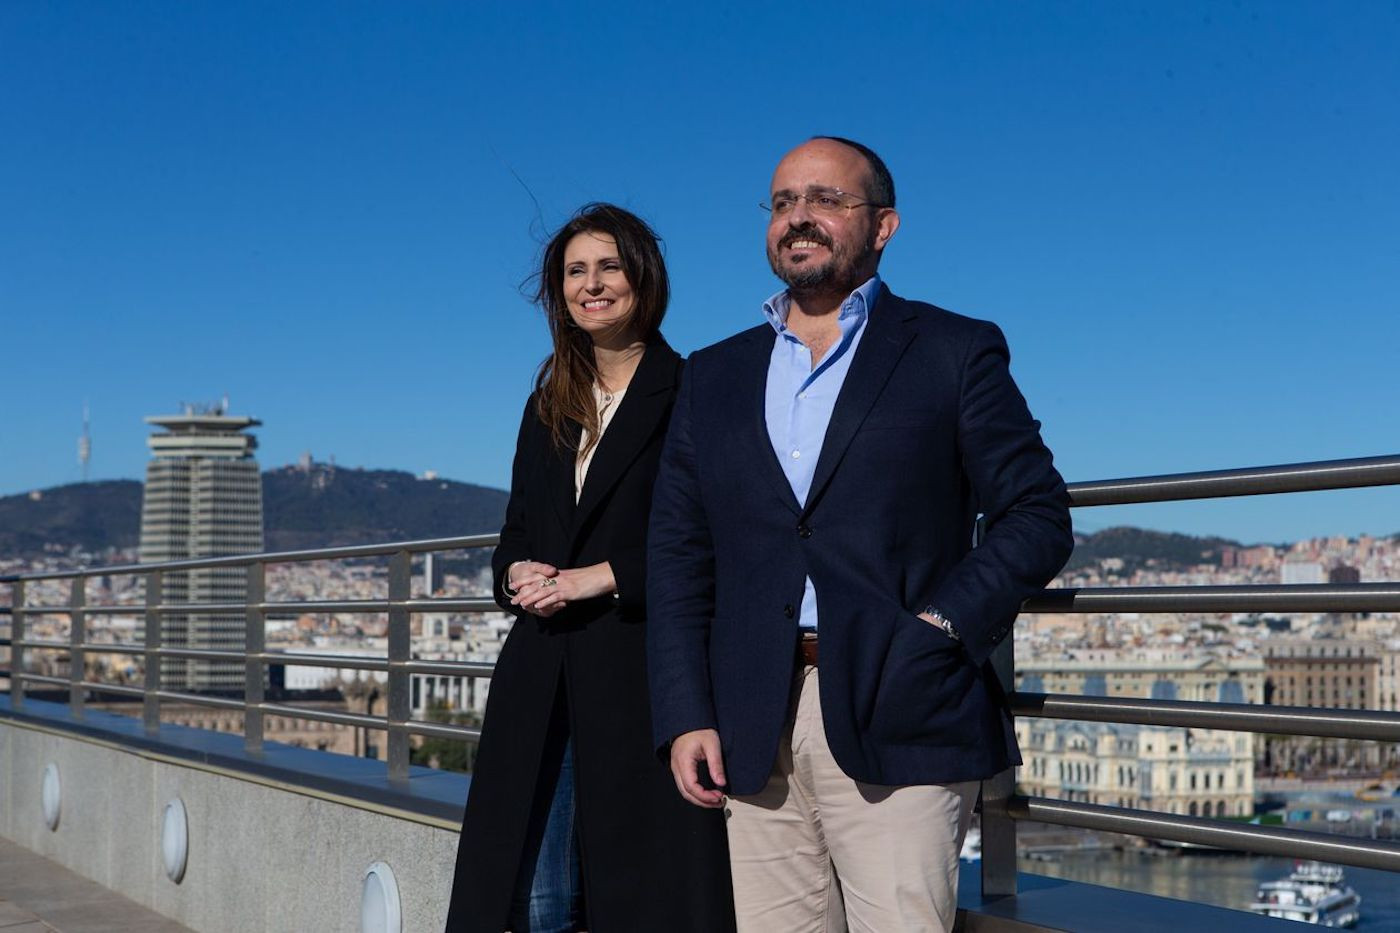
820,623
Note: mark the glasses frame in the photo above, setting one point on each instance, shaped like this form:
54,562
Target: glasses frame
768,208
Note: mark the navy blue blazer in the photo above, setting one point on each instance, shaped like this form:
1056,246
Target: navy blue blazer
929,430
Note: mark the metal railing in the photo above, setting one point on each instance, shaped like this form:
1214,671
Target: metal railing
1002,808
398,666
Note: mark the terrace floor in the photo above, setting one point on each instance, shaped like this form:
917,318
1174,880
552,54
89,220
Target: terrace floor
40,896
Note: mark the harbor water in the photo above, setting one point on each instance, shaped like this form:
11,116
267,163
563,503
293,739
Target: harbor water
1220,879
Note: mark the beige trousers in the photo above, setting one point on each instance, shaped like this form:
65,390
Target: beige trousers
817,851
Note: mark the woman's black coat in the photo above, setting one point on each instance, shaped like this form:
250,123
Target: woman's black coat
650,861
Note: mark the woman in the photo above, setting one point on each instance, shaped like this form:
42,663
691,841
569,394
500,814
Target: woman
572,822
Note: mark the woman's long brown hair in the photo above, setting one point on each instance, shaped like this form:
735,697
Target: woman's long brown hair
564,383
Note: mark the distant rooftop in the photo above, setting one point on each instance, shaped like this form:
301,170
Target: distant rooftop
201,421
201,416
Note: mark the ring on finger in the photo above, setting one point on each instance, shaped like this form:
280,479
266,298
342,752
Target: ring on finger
550,581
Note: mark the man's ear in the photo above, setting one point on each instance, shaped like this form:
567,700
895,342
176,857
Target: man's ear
886,226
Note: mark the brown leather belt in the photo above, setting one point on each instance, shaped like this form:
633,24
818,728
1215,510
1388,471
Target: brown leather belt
807,649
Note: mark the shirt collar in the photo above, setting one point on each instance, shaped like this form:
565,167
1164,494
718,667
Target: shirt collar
857,304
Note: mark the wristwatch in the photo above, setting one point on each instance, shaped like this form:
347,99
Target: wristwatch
941,621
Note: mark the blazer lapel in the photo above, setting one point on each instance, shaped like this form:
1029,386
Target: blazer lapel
638,417
753,381
886,336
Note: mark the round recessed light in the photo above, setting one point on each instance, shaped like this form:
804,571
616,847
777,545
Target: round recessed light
380,911
175,840
51,796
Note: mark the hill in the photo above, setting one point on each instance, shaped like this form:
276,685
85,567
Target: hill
1138,547
325,506
89,516
322,506
328,506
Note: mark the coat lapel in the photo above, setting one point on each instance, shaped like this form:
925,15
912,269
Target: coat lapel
887,334
639,416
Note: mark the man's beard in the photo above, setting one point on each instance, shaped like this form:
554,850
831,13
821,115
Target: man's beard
838,273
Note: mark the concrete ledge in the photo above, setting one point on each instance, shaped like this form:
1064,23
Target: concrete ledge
435,796
267,849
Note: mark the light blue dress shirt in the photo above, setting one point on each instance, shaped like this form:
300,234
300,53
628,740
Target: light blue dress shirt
800,399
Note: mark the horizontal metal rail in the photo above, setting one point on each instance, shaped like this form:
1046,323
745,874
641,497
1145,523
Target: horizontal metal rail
115,647
441,730
43,643
469,604
39,678
119,689
1292,597
1248,481
348,662
1371,725
448,668
270,557
197,654
1296,597
200,699
323,715
1265,840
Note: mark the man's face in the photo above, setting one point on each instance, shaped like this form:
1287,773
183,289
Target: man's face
814,250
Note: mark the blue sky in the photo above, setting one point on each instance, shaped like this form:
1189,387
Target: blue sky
1185,216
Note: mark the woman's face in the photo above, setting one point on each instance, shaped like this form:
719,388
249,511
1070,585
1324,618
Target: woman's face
596,290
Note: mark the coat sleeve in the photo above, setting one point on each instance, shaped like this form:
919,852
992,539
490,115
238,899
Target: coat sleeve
629,569
514,544
680,586
1017,488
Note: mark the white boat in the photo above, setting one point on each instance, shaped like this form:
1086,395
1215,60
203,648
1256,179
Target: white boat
1314,892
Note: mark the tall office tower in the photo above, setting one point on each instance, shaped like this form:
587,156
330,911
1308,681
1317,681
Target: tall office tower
203,498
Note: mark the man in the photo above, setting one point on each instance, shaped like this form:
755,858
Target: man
820,623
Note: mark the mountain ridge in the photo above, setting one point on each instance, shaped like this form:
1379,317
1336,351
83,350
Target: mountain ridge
303,507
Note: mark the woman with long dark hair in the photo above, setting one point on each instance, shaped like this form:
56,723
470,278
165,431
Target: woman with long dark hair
571,821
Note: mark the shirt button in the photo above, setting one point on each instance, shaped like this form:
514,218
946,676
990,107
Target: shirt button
804,531
788,611
801,394
796,454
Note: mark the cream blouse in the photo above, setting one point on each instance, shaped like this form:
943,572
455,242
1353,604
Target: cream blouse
607,404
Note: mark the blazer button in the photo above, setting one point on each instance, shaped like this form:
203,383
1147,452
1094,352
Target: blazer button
804,531
788,611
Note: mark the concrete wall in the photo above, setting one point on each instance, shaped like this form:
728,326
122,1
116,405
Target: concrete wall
260,857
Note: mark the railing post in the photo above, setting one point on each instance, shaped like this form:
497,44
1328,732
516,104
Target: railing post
255,639
998,829
77,638
150,702
400,644
17,645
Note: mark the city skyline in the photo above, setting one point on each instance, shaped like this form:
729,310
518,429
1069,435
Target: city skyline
1182,218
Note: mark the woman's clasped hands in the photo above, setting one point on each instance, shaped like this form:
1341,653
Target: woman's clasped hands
543,589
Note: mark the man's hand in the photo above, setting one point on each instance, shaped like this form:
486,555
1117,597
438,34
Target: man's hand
548,589
687,751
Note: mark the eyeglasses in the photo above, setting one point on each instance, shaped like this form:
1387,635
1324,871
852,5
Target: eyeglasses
820,200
